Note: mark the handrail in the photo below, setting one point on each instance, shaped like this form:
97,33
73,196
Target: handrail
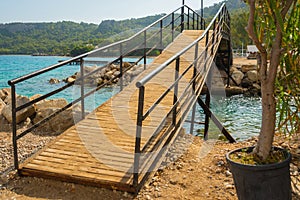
148,77
184,100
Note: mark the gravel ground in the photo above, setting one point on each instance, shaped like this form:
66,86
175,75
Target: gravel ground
193,169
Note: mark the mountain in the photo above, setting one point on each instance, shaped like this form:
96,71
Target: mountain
61,38
232,5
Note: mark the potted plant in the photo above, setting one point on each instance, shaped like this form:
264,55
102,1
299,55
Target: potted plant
262,171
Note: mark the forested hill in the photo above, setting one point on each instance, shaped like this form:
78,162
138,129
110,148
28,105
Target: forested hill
62,38
232,5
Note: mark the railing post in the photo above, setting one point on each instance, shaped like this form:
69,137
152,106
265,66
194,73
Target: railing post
161,36
139,126
182,18
121,67
206,49
188,20
82,89
213,38
194,87
197,22
173,18
193,21
175,91
145,49
14,126
207,102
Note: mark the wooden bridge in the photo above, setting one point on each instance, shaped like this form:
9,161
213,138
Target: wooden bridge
122,141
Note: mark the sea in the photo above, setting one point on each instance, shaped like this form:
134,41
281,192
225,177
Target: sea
240,115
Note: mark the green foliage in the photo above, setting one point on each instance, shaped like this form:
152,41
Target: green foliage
232,5
239,34
62,37
288,80
78,50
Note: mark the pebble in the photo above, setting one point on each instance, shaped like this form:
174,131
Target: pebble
228,173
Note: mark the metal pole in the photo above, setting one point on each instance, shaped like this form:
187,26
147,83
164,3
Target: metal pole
201,8
145,51
138,136
182,17
176,91
121,67
194,88
14,126
173,18
82,89
161,36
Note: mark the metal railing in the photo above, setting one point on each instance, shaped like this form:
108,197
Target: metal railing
154,37
184,101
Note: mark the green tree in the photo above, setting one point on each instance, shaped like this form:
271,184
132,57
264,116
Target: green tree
267,25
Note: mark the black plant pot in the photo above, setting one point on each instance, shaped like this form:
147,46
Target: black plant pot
260,182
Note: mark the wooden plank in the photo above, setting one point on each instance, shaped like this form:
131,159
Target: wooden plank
99,150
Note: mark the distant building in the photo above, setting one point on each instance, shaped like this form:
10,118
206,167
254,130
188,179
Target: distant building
251,51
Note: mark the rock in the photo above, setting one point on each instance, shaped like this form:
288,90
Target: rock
35,96
2,104
4,124
246,82
126,65
22,114
52,103
54,81
59,123
4,93
88,69
252,75
237,76
56,125
69,80
116,73
234,90
246,68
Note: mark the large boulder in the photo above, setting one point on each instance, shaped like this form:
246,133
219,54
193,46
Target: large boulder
246,68
252,75
57,124
237,76
52,103
20,115
2,104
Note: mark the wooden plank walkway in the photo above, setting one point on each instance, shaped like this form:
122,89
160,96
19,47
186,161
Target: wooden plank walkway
99,150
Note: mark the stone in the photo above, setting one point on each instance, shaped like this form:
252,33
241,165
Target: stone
70,80
234,90
126,64
246,82
246,68
4,124
2,104
54,81
51,103
252,75
4,93
56,125
20,115
237,76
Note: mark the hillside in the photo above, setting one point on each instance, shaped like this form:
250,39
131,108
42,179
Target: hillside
62,38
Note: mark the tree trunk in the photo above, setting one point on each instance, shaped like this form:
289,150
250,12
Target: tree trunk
267,131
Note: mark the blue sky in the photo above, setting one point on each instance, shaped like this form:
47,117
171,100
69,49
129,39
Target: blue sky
90,11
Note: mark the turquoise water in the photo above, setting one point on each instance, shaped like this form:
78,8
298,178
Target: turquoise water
240,115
